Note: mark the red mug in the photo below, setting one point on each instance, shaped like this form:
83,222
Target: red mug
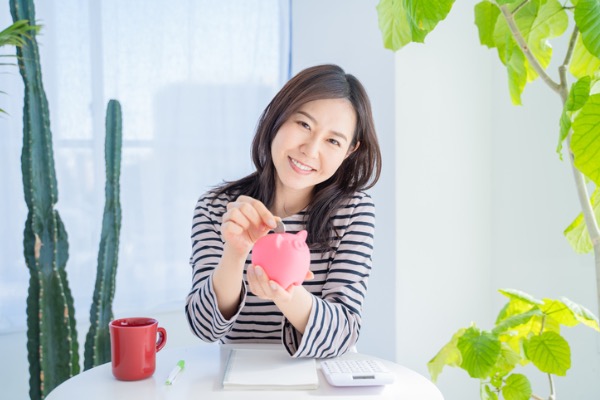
133,344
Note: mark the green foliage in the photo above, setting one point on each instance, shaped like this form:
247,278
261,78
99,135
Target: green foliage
536,22
587,18
97,344
15,35
585,142
516,387
583,63
527,330
520,31
405,21
51,334
577,233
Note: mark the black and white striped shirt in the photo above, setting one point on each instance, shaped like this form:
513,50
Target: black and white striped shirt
338,288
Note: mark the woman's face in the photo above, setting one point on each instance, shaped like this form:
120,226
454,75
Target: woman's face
312,143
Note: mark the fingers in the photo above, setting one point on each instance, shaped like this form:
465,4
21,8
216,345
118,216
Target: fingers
264,288
247,211
250,216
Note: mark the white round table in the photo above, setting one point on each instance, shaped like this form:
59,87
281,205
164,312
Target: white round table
203,373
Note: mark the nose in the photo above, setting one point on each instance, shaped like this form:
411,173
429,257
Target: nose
310,147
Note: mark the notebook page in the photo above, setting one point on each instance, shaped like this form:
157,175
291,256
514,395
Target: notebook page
261,369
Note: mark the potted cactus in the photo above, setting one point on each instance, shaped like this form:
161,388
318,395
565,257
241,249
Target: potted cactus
53,349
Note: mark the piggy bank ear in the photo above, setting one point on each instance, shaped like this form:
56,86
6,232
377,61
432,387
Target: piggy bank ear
302,235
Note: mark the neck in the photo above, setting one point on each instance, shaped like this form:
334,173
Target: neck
287,204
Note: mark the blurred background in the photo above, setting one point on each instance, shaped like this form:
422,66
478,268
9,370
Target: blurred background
472,198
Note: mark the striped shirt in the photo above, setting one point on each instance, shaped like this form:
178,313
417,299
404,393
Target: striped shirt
338,288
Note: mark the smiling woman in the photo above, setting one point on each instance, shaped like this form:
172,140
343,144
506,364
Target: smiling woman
315,152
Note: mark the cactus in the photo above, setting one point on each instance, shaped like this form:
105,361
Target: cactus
97,343
51,334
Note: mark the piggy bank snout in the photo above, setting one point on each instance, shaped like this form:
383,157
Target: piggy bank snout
285,257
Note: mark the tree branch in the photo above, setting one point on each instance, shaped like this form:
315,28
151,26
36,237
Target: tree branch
588,214
535,397
552,391
525,48
562,70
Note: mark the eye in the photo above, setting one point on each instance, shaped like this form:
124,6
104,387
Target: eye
304,125
334,142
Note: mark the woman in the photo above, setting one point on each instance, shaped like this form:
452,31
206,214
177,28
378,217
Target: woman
315,152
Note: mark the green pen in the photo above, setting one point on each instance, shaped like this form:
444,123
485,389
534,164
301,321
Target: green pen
176,370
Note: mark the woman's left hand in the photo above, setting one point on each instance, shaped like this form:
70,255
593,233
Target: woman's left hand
264,288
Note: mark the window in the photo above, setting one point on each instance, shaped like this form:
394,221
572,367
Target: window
192,78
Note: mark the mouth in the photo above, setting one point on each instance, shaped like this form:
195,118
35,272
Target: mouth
300,166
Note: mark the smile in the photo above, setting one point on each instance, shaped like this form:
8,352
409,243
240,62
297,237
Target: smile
301,166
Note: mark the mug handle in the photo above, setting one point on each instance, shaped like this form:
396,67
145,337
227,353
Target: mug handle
163,338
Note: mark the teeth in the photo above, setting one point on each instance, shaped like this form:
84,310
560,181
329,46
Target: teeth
301,166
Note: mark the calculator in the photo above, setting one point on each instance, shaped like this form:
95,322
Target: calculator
362,372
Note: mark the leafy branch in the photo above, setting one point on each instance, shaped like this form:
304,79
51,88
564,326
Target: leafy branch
527,330
15,35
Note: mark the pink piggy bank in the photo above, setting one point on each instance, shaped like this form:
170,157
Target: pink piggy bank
284,257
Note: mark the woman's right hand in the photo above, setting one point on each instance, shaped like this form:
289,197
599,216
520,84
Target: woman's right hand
245,221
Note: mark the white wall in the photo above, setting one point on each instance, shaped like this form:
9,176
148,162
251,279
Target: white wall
345,32
443,193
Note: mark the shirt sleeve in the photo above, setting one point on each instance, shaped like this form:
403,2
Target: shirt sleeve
202,312
335,319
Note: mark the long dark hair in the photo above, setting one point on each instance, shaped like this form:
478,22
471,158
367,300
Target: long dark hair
359,171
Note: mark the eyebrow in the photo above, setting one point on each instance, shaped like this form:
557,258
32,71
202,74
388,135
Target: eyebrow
335,133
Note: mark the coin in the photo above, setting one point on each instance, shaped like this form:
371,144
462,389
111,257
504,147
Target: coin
280,228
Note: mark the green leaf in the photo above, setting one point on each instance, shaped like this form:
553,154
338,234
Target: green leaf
515,320
405,21
519,296
577,233
480,351
517,71
14,35
507,360
587,18
565,127
486,15
549,352
579,94
595,89
559,311
537,22
583,63
487,393
517,387
448,355
582,314
585,141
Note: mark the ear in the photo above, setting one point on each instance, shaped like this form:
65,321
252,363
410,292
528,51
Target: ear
352,150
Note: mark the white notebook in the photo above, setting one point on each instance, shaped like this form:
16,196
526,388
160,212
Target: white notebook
268,369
